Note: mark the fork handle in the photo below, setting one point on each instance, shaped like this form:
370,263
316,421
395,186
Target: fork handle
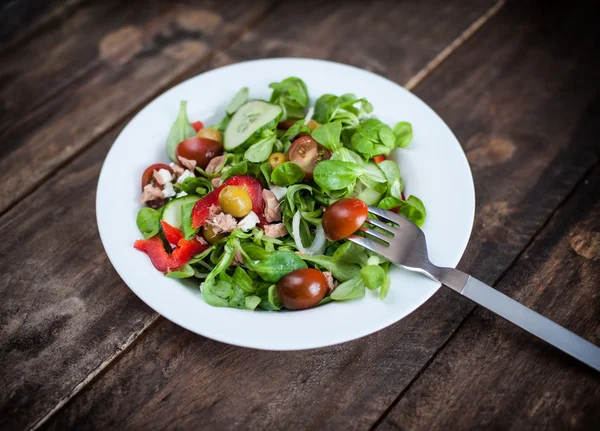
526,318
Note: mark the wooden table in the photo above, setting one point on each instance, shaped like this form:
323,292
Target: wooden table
518,82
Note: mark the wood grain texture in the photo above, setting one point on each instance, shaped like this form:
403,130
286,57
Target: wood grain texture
58,320
95,322
494,375
529,144
116,57
22,19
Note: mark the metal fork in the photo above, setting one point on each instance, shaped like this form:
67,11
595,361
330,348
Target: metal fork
406,247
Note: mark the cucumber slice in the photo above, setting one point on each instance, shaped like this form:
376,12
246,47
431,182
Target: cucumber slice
364,193
250,118
372,186
172,211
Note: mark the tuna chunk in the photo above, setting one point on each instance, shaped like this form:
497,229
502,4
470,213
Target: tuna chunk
151,193
221,222
275,230
331,283
177,170
272,211
216,181
215,164
190,164
238,259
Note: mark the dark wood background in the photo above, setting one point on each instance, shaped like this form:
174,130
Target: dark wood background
517,81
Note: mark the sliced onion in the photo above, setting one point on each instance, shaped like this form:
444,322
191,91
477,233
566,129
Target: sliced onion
319,243
309,115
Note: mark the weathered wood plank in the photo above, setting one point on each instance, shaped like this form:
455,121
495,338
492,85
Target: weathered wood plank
529,143
36,382
20,19
103,71
494,375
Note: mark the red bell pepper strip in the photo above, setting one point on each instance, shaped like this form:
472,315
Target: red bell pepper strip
197,125
172,234
164,261
378,159
249,184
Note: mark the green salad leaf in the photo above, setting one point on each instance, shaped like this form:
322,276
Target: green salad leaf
276,265
184,271
291,94
148,221
181,130
351,289
328,135
336,174
403,134
286,174
238,100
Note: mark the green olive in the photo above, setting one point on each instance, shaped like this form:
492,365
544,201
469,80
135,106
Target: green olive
277,159
210,236
235,201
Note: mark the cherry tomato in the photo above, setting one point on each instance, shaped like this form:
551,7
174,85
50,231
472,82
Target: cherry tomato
343,218
306,153
378,159
302,288
197,125
202,150
147,175
276,159
286,124
210,133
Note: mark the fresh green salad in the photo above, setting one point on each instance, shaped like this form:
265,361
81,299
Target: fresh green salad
257,207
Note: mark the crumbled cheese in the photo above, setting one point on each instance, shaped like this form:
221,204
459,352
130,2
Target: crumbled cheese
181,194
248,222
163,176
279,192
168,190
186,174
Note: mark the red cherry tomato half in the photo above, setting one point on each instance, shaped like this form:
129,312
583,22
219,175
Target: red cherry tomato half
343,218
147,175
197,125
306,153
378,159
202,150
302,288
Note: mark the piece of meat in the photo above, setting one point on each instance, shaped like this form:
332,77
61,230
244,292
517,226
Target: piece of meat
275,230
221,222
272,210
238,259
201,239
215,164
190,164
162,176
216,181
151,193
177,170
331,283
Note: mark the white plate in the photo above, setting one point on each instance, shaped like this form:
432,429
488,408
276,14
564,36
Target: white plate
434,168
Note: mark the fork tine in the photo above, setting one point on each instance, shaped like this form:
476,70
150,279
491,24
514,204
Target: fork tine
380,224
370,245
393,217
379,235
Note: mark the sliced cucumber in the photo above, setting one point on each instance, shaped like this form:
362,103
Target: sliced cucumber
250,118
172,211
372,186
364,193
